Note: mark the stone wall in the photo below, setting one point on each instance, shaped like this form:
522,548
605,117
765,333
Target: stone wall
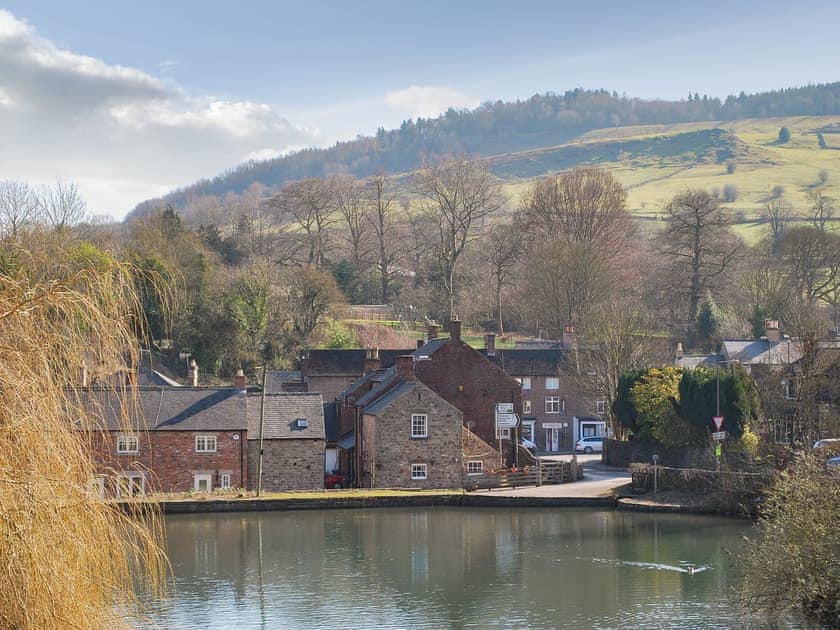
395,450
287,465
476,449
169,460
622,454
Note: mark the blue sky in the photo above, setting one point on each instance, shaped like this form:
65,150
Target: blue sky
132,99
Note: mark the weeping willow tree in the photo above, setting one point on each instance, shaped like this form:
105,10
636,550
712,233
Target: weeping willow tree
67,557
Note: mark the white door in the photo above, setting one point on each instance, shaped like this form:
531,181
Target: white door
203,483
552,440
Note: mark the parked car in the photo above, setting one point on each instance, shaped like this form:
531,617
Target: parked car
529,444
833,464
827,443
589,445
336,481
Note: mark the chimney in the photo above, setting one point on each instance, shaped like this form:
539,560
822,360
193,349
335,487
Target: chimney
372,362
490,344
239,381
455,329
431,331
405,367
569,337
680,352
193,373
84,374
771,328
420,343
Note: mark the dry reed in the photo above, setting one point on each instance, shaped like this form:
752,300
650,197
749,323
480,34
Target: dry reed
67,557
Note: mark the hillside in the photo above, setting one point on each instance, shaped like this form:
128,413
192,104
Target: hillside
579,126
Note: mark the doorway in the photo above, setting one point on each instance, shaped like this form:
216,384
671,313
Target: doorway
203,483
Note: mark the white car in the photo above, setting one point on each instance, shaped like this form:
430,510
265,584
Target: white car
529,444
590,445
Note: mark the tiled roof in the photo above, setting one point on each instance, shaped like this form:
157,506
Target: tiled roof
347,362
275,379
530,362
383,382
398,392
281,414
170,409
692,361
762,351
152,378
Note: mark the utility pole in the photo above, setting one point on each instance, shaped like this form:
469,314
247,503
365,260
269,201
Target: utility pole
262,426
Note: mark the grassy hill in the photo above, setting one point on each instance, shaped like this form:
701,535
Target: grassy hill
656,162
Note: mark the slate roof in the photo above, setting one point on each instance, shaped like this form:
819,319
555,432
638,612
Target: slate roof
384,380
152,378
398,392
275,379
692,361
530,362
347,362
762,351
281,412
171,409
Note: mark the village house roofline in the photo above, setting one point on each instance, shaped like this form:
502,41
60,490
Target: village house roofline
168,409
274,379
532,361
282,411
346,362
401,390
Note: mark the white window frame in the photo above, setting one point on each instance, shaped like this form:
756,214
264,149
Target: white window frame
197,477
552,382
526,406
419,421
475,467
224,481
125,481
203,442
552,404
601,407
525,381
419,472
530,426
124,442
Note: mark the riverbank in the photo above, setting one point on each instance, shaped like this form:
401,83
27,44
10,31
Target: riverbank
672,501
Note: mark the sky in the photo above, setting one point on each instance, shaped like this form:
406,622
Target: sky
133,99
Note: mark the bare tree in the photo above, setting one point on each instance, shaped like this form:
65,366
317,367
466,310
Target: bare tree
503,250
381,205
585,205
310,203
456,194
63,205
812,260
19,207
822,209
350,199
777,213
699,245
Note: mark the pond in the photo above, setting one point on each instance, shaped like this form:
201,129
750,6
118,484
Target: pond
450,567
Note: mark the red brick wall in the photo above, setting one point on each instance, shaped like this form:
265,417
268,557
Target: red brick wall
468,380
170,460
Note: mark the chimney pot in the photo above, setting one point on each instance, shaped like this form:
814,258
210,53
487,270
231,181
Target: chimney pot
490,344
419,343
372,362
569,337
239,381
771,327
193,373
431,331
405,367
455,329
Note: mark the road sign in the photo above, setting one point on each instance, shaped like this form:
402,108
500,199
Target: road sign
719,435
718,420
504,407
506,420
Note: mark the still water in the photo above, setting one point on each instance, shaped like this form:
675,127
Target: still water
450,567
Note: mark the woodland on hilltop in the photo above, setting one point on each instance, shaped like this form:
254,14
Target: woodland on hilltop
501,127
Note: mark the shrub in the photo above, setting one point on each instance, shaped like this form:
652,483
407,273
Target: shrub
730,166
784,135
730,193
793,565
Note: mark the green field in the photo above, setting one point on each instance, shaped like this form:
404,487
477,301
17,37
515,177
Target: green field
656,162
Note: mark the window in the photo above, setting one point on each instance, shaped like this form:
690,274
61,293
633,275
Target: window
525,381
419,425
528,431
205,443
552,382
225,480
126,444
502,433
419,471
130,484
203,483
526,406
788,389
475,468
601,407
552,404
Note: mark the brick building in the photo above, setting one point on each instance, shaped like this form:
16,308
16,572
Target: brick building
169,439
410,437
293,441
330,372
555,412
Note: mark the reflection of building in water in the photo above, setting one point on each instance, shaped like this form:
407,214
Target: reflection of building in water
206,553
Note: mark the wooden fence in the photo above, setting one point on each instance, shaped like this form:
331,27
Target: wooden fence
544,473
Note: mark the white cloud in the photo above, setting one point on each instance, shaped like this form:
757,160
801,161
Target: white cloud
428,101
123,134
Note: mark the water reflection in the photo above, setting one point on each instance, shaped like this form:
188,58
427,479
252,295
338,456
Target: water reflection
444,567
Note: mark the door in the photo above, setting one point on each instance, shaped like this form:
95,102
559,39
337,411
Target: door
552,440
203,483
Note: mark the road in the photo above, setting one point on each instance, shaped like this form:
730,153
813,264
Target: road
598,481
